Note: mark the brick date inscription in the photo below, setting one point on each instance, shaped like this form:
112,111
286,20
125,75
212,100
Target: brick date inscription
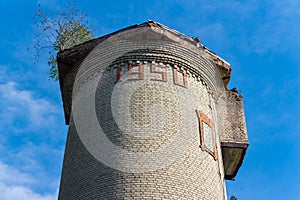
136,72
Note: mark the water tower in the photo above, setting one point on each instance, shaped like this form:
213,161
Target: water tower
150,117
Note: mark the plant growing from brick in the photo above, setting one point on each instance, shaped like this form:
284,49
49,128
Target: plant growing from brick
57,32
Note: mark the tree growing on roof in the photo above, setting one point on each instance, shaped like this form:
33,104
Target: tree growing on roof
59,32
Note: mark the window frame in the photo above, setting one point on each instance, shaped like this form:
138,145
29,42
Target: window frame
204,119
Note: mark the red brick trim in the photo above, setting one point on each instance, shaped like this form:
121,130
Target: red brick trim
140,71
163,74
183,72
204,119
119,74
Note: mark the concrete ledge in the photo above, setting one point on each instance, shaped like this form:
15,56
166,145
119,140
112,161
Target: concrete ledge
233,154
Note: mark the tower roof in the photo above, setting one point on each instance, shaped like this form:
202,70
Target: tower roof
66,59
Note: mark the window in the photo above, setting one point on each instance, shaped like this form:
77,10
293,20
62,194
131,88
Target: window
207,137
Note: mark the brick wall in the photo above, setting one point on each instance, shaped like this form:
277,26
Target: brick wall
134,131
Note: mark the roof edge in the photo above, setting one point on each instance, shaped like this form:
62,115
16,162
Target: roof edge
68,57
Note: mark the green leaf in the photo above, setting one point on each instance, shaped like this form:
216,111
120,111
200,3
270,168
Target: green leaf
60,32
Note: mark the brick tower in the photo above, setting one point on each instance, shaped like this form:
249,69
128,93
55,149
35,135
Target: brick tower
150,117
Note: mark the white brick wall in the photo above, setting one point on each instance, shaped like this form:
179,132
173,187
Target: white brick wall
139,139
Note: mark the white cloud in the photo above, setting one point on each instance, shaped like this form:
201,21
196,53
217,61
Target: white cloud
22,193
33,169
15,185
23,112
12,176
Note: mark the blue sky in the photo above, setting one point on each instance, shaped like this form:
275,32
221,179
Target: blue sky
260,39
